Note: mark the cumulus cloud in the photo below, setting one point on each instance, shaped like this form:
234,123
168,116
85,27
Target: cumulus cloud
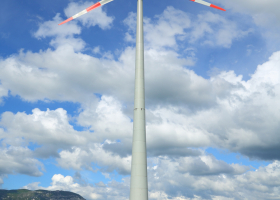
263,12
253,110
64,35
42,127
97,17
19,160
228,123
215,30
175,185
203,176
78,159
111,190
61,79
208,165
166,181
51,29
108,111
185,112
50,131
61,35
53,74
174,26
243,117
3,93
124,148
219,111
166,28
130,22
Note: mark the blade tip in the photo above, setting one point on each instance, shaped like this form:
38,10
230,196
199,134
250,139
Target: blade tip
217,7
62,23
67,20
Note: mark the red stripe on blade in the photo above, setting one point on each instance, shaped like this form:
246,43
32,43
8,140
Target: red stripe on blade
217,7
93,6
192,0
67,20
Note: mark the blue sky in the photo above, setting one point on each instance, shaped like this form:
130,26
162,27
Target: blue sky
212,90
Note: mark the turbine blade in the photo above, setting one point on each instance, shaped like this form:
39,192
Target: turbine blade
96,5
208,4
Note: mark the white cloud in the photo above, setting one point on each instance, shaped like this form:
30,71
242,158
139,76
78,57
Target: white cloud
254,110
65,75
208,165
106,118
175,126
130,22
215,30
112,190
174,184
174,26
51,131
95,17
264,12
184,111
42,127
217,112
55,75
52,29
61,74
243,117
3,92
61,35
79,159
166,181
174,130
164,31
64,35
19,160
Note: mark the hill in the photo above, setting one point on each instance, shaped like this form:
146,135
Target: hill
24,194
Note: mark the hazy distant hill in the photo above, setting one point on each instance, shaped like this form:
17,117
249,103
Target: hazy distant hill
38,195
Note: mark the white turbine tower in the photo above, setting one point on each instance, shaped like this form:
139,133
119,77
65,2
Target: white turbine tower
139,179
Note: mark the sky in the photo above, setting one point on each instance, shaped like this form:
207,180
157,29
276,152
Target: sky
212,82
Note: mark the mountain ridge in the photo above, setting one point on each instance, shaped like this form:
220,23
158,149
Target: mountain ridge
24,194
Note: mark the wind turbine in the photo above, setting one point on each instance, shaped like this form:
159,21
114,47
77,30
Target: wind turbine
139,181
